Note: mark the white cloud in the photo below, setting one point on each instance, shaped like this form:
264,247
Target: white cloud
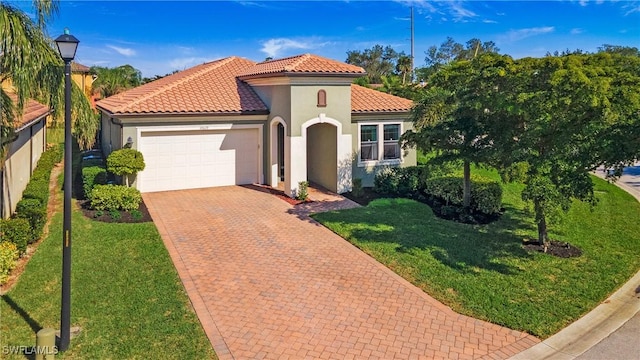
276,47
487,21
459,13
583,2
633,8
516,35
576,31
122,51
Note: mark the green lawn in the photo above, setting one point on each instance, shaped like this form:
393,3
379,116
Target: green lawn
126,296
483,271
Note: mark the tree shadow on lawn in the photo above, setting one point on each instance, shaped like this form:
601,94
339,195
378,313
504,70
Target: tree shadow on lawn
416,230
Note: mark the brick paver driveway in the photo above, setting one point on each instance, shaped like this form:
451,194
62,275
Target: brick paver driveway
268,282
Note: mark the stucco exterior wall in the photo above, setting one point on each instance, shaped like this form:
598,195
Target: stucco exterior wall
304,105
368,172
22,159
111,135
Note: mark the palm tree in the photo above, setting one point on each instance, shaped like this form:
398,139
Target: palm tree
31,64
111,81
403,67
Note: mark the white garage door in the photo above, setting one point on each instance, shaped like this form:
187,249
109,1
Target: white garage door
196,159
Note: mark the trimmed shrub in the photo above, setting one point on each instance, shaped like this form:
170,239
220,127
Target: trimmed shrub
404,182
115,197
16,231
37,189
92,176
486,195
35,213
8,259
125,162
386,182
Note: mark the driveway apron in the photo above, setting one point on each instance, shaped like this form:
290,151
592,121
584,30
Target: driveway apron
267,281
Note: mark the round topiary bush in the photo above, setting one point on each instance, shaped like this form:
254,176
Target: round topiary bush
125,162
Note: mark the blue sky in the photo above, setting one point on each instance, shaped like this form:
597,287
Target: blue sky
159,37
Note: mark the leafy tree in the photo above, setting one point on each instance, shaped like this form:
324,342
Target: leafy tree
377,62
622,50
157,77
452,120
450,51
111,81
125,162
33,68
565,116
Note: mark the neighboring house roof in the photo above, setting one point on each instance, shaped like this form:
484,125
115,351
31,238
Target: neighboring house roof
31,112
204,89
76,67
365,100
302,64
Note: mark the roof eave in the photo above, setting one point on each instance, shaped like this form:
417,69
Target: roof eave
184,113
31,122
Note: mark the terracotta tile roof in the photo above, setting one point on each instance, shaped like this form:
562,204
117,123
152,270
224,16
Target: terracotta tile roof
76,67
365,100
31,112
304,64
208,88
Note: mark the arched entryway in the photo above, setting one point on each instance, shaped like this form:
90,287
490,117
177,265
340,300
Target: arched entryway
322,155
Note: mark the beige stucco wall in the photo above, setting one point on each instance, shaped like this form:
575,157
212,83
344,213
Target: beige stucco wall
22,159
304,105
322,155
367,172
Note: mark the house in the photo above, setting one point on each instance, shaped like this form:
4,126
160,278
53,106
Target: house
82,76
24,150
234,121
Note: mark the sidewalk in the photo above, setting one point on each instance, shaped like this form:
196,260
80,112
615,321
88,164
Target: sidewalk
612,329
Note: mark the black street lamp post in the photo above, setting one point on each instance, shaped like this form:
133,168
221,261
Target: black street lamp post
67,46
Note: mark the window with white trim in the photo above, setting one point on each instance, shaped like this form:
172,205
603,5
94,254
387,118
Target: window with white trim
380,143
369,142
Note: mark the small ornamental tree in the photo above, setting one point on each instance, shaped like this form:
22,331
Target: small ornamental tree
125,162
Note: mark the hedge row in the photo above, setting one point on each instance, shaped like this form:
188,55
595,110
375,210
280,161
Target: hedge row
418,182
27,223
33,206
92,176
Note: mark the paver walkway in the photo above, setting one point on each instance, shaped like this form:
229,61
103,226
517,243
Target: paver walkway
269,282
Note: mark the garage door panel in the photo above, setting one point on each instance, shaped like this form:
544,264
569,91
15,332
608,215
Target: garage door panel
184,160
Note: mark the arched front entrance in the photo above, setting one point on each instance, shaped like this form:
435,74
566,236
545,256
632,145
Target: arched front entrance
322,155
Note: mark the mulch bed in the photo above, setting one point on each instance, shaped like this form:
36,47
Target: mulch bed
364,197
555,248
125,216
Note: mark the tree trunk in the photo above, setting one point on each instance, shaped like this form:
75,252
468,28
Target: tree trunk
543,236
466,187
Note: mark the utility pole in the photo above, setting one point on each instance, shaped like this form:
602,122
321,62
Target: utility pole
413,73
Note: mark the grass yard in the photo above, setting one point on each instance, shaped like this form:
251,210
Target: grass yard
126,296
484,272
